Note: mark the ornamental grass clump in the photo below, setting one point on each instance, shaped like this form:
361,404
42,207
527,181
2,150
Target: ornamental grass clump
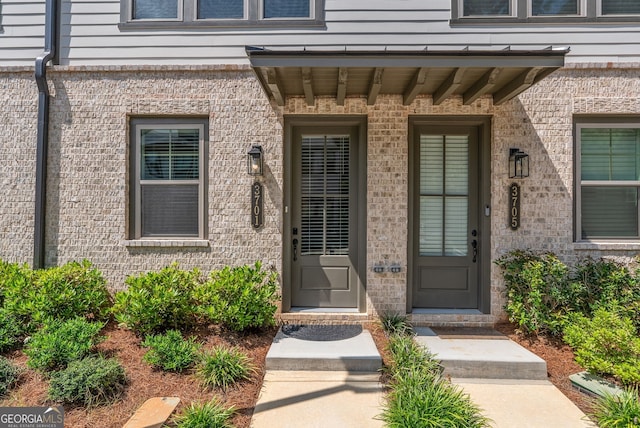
170,352
221,367
618,411
92,381
419,397
211,414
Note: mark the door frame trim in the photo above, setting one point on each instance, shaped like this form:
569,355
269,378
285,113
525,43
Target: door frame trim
483,123
301,121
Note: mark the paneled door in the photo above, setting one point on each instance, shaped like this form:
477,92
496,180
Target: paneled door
324,241
446,227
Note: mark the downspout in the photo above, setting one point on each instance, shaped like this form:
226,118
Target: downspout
50,52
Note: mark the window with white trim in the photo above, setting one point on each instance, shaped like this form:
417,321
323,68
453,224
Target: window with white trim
220,12
514,10
608,180
168,178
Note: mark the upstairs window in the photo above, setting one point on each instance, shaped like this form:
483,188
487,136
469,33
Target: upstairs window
545,10
620,7
166,13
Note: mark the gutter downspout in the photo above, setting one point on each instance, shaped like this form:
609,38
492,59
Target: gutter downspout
50,52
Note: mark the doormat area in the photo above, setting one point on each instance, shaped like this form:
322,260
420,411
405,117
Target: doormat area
321,333
483,333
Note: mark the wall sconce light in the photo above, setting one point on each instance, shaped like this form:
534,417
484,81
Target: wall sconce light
254,161
518,164
378,268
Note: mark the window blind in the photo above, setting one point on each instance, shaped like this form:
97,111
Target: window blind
486,7
287,8
155,9
220,9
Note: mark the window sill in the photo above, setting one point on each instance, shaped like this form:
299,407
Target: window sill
239,24
544,20
607,246
166,243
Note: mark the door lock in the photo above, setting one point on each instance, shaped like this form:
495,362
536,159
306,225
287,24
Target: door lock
295,250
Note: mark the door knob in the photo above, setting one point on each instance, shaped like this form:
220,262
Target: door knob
474,245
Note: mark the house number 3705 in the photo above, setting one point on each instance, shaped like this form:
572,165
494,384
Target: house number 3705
257,205
514,206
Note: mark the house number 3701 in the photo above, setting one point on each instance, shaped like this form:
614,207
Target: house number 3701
257,205
514,206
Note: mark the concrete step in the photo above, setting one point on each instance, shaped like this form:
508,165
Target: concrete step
323,348
489,356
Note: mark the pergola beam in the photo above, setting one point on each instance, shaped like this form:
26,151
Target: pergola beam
274,85
376,84
481,87
416,85
516,86
307,86
448,86
343,76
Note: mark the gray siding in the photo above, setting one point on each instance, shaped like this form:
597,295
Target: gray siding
90,34
21,31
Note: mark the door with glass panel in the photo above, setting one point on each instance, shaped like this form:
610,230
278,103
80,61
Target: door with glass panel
324,240
446,228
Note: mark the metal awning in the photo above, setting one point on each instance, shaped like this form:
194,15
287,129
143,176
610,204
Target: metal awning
340,74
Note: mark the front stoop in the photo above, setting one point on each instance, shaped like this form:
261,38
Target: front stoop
353,354
485,357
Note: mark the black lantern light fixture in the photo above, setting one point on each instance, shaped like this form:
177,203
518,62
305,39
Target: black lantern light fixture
518,163
254,161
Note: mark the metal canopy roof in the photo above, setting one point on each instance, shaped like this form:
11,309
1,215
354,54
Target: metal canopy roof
340,74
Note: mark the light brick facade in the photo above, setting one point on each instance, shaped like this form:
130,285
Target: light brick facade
88,177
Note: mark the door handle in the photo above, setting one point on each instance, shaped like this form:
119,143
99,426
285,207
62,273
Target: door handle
474,245
295,250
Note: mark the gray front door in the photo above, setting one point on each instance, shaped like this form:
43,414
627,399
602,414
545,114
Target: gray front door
446,227
324,213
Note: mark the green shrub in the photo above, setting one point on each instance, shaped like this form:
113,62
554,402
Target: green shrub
91,381
396,324
222,366
206,415
75,289
170,352
9,374
60,342
158,301
603,283
240,297
618,411
538,291
606,344
420,397
13,276
11,331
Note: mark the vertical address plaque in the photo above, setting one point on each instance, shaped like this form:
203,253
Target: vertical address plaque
514,206
257,205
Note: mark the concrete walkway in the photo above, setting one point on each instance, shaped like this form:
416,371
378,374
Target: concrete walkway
331,382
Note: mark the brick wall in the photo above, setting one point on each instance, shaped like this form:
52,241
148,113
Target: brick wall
88,169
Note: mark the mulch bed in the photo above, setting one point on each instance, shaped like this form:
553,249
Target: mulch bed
144,382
